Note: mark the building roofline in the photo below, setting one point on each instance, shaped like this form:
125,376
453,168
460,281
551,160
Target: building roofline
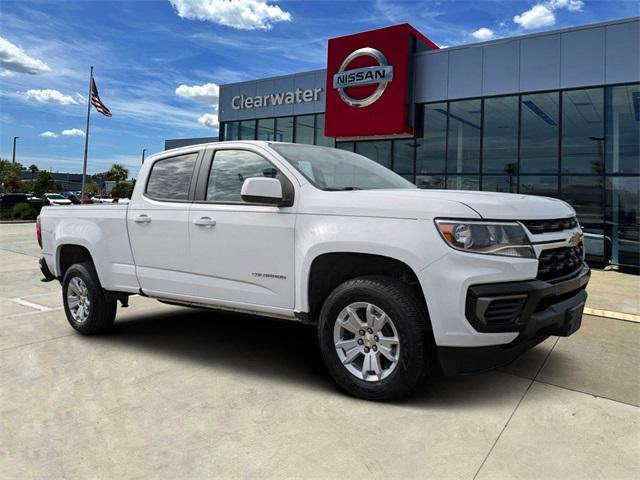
557,31
459,47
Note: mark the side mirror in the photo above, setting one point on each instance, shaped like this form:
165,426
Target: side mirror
262,190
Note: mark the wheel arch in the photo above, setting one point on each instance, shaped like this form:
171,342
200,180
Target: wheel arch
330,269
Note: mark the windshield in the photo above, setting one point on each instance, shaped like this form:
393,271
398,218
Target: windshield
335,169
55,196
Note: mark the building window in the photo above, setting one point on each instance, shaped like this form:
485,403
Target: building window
284,129
623,213
247,130
266,129
430,181
305,129
539,185
500,135
623,129
350,146
378,151
463,182
403,156
582,131
463,144
431,149
320,138
231,131
539,133
500,183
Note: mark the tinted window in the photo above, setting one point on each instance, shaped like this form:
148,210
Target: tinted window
460,182
247,130
430,181
320,137
305,127
378,151
583,131
539,133
266,129
284,129
170,178
538,185
403,151
432,147
500,143
623,129
230,169
586,195
505,184
463,153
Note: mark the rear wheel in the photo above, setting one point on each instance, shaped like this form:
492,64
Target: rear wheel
372,337
85,304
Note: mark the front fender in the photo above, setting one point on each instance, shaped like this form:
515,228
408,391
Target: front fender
413,242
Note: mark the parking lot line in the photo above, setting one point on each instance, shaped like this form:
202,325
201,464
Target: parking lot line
37,306
628,317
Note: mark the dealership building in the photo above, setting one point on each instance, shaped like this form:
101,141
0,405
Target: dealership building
554,113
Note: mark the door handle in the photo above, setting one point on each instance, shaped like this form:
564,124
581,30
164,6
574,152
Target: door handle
142,219
204,222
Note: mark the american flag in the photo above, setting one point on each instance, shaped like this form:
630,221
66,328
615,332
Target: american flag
96,102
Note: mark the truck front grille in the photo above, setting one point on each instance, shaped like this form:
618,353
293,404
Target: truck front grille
559,262
536,227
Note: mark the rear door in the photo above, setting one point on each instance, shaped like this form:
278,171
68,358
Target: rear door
158,219
241,253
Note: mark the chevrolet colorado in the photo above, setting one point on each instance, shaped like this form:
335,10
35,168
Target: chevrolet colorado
398,281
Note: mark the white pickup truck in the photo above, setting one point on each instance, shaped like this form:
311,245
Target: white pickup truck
399,281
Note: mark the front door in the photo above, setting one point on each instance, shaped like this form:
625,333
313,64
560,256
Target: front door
158,224
241,253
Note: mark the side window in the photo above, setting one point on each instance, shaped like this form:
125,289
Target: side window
170,178
229,170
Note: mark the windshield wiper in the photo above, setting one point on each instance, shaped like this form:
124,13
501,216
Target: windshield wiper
341,189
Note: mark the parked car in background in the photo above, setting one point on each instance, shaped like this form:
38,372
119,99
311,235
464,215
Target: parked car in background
35,202
9,200
72,197
55,199
101,199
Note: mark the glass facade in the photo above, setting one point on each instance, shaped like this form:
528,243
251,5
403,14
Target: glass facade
580,145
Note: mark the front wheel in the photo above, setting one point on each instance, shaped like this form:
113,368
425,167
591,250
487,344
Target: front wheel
372,336
85,304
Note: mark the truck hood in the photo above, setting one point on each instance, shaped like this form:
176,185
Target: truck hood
416,203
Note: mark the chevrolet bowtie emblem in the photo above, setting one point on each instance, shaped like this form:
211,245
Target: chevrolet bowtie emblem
575,239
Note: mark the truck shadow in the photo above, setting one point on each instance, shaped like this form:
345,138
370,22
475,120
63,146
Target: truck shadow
285,351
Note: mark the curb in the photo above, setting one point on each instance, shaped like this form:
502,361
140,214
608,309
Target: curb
17,221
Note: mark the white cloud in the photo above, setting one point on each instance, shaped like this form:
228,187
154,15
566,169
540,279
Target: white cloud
483,34
542,14
49,95
14,59
73,132
240,14
208,120
207,93
49,134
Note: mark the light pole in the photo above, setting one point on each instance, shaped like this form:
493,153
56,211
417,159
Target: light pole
14,149
143,152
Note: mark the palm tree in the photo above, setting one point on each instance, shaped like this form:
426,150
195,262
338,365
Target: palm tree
33,169
117,173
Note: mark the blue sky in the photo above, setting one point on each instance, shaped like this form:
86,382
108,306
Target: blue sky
158,62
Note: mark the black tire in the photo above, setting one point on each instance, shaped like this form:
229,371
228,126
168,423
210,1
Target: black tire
401,303
102,312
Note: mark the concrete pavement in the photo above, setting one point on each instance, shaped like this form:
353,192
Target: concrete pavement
183,393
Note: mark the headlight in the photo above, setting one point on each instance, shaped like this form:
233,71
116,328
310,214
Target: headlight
491,238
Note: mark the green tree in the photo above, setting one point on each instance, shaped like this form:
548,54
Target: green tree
44,184
33,168
117,173
123,190
10,179
91,188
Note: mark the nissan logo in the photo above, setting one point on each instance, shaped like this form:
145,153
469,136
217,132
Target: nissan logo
380,74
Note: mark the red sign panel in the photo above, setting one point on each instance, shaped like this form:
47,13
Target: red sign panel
368,82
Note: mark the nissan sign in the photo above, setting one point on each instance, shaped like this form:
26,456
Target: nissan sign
379,75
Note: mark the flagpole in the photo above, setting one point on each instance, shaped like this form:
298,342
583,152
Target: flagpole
86,136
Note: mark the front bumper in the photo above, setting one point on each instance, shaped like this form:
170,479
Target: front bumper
533,309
